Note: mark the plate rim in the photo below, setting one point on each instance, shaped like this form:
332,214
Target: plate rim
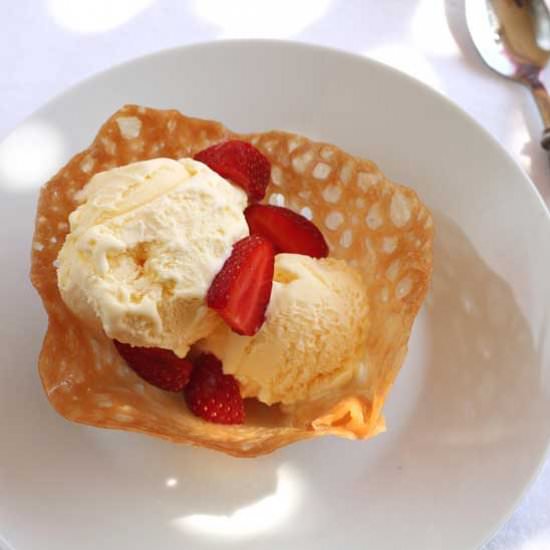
435,95
278,43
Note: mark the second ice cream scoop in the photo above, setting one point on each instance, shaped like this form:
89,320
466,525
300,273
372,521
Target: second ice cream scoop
313,337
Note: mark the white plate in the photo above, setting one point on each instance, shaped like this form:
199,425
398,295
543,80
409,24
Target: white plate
468,417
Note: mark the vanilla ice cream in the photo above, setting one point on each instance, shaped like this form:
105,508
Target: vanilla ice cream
144,247
312,340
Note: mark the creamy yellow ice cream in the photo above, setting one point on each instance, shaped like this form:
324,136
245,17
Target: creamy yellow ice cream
312,340
144,247
146,243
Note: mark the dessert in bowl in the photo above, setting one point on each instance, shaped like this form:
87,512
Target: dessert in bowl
238,292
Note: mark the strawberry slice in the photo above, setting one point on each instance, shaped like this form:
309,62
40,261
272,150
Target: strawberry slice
240,162
240,292
287,230
160,367
212,395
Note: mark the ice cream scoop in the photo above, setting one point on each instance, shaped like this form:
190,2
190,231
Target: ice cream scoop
313,337
143,248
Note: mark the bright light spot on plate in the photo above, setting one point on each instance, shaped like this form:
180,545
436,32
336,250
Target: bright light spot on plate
430,32
408,61
268,513
171,482
30,155
91,16
254,18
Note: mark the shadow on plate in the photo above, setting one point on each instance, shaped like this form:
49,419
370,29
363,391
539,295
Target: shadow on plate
478,422
484,372
471,419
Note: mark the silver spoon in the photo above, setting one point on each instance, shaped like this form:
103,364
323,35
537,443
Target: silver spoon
513,38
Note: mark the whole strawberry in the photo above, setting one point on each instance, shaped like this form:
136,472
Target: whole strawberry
160,367
241,163
213,395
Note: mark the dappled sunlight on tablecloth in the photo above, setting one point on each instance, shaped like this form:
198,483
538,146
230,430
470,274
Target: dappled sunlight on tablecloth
247,18
30,155
92,16
539,542
427,32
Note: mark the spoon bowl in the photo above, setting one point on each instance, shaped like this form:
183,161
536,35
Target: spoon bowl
513,38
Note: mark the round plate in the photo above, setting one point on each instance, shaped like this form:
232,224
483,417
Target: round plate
468,417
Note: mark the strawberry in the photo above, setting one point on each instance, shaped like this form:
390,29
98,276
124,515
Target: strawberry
287,230
240,292
160,367
213,395
240,162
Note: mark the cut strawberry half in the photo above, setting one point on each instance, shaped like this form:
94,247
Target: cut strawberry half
286,230
240,162
212,395
160,367
240,292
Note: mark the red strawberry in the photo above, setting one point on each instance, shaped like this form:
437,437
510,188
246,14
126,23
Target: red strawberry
160,367
212,395
240,292
287,230
240,162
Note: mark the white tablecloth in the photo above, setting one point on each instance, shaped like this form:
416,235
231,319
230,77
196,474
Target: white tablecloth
48,45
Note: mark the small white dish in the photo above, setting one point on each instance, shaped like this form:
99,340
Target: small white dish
468,417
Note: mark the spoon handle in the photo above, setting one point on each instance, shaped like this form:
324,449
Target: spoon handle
543,103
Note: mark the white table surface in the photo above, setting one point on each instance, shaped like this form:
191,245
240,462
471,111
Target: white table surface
48,45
